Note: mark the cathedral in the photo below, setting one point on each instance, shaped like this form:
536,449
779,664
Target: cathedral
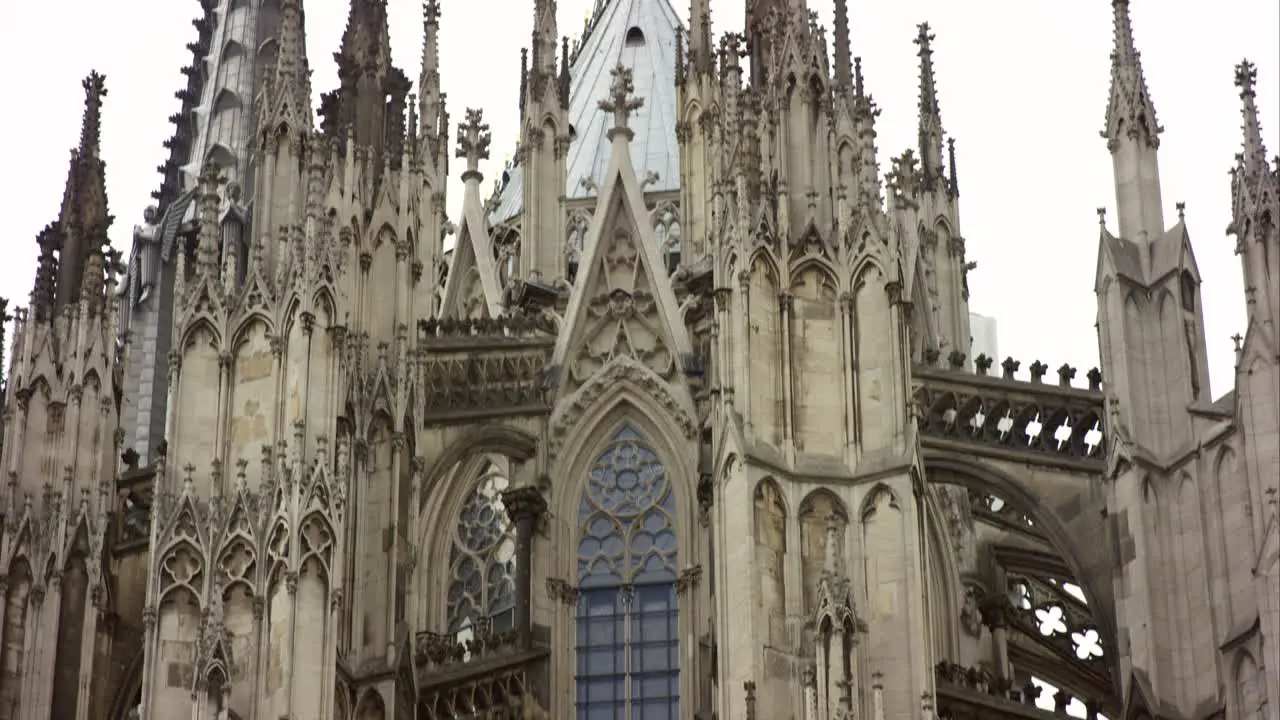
676,419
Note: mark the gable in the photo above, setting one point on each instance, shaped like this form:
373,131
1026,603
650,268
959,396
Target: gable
471,288
619,315
622,305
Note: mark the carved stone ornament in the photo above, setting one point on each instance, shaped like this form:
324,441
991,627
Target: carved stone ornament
562,592
688,579
970,615
621,369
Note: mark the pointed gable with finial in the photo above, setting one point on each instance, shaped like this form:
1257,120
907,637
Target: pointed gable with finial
472,287
622,308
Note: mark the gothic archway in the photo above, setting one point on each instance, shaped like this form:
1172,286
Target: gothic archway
515,443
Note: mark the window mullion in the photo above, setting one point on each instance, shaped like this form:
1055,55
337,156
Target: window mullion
628,596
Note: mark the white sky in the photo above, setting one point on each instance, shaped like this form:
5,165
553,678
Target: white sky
1023,88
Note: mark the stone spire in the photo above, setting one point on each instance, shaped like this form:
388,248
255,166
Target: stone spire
1255,196
83,222
1254,155
843,48
930,114
1129,109
543,46
1132,135
430,97
701,48
543,153
290,91
369,105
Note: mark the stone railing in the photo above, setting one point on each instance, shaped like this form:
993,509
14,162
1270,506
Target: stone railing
469,369
434,652
1058,423
484,676
966,693
513,326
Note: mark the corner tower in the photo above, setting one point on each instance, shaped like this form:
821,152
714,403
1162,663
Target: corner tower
60,417
1151,339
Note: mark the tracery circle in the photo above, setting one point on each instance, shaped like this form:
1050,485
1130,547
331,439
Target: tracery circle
627,516
482,559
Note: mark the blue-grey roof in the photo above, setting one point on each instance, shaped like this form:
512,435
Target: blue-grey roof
651,57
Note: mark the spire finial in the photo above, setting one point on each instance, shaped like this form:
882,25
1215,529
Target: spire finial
843,47
1255,153
429,79
1129,111
621,102
930,113
83,220
473,143
91,127
700,43
292,83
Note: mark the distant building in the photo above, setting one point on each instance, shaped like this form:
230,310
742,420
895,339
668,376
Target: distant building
982,338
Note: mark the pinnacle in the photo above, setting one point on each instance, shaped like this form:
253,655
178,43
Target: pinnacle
928,93
1255,153
91,128
1129,109
1246,76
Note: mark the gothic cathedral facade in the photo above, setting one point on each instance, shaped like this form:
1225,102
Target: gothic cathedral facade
677,422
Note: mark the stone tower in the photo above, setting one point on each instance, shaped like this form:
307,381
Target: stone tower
676,422
1189,476
62,412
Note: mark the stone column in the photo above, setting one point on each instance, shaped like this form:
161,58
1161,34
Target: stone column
995,617
525,506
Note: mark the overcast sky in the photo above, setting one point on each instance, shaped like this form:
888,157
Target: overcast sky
1023,88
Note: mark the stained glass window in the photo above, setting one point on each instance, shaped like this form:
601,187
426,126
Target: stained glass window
628,643
482,562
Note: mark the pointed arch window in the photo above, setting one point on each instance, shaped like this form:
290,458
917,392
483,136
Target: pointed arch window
482,560
627,619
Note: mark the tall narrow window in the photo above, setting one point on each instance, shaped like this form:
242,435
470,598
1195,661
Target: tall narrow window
628,644
482,562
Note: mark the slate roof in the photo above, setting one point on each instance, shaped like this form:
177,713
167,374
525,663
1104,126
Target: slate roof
651,56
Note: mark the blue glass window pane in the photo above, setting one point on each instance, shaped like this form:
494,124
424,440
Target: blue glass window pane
627,620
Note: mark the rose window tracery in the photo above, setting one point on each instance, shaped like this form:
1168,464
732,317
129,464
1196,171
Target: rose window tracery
482,563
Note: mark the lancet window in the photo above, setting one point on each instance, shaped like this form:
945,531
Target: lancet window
627,617
482,562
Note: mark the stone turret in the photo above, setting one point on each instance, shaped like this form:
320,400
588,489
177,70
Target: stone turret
60,419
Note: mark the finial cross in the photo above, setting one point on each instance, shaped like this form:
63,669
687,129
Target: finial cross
1246,76
924,36
473,139
621,102
1237,339
430,12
